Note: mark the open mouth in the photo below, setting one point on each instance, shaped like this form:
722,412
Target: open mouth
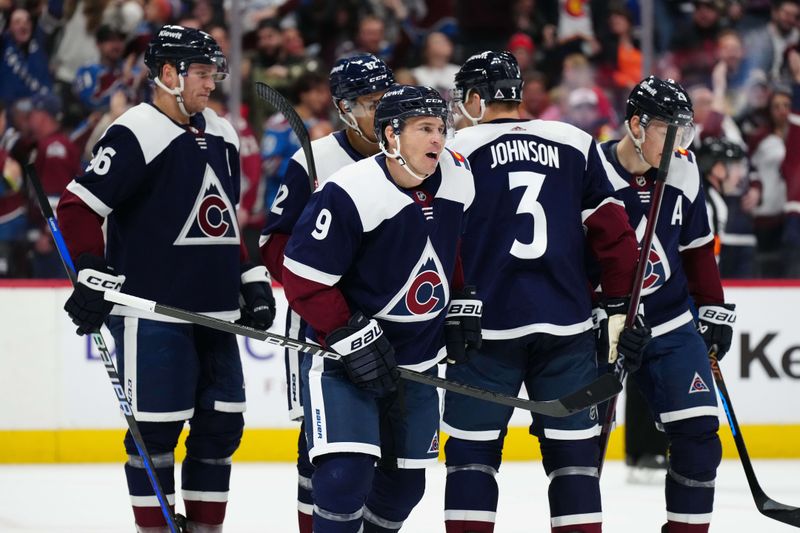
432,155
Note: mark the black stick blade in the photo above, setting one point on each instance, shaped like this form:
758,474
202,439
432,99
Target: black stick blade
604,388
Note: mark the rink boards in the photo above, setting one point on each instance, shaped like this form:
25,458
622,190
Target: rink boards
58,405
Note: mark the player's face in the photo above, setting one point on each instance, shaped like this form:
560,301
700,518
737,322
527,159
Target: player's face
422,142
656,133
199,83
363,110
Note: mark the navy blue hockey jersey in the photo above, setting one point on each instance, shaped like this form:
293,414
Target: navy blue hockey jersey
682,225
168,193
391,252
331,153
538,186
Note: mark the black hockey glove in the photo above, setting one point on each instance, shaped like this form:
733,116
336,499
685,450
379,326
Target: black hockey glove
462,326
715,324
632,342
86,306
256,304
367,355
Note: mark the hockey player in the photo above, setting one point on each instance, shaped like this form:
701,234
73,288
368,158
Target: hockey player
357,83
539,186
675,376
370,266
165,178
730,199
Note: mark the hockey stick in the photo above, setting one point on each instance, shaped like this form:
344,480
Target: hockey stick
108,363
765,505
638,278
279,102
598,391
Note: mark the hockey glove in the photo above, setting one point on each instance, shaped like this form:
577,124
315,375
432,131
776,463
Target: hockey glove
367,355
462,326
86,306
600,328
256,304
632,342
715,324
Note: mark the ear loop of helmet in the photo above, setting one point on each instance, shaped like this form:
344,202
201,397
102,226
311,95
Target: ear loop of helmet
465,113
638,142
350,120
397,156
176,92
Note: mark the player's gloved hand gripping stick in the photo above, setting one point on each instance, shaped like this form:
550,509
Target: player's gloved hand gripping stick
88,319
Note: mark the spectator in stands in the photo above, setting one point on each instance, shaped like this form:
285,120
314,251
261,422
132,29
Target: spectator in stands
791,173
535,98
582,112
710,119
13,222
23,62
311,98
766,45
733,73
754,117
96,83
694,45
767,159
370,39
621,59
57,162
437,71
521,45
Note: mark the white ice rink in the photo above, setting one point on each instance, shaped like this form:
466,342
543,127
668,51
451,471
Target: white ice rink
92,498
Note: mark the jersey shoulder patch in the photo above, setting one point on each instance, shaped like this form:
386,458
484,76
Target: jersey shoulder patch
684,175
219,126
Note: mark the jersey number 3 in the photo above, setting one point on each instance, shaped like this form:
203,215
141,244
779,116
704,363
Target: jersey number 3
532,183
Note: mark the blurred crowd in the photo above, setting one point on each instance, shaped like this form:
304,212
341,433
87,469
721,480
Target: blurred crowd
71,67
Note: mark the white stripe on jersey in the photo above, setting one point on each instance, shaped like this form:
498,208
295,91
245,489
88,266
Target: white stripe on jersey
468,140
329,157
95,203
310,273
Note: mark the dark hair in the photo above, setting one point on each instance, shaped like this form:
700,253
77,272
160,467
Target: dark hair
307,81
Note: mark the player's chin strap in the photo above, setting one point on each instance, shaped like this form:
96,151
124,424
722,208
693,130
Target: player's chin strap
463,111
349,120
176,92
397,156
637,141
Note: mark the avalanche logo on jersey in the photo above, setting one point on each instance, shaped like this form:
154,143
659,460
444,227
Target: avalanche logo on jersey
698,385
434,447
212,220
425,293
657,271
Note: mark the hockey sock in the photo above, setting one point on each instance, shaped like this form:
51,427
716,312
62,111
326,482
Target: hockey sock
160,439
395,492
574,491
470,498
341,483
305,497
694,455
206,472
